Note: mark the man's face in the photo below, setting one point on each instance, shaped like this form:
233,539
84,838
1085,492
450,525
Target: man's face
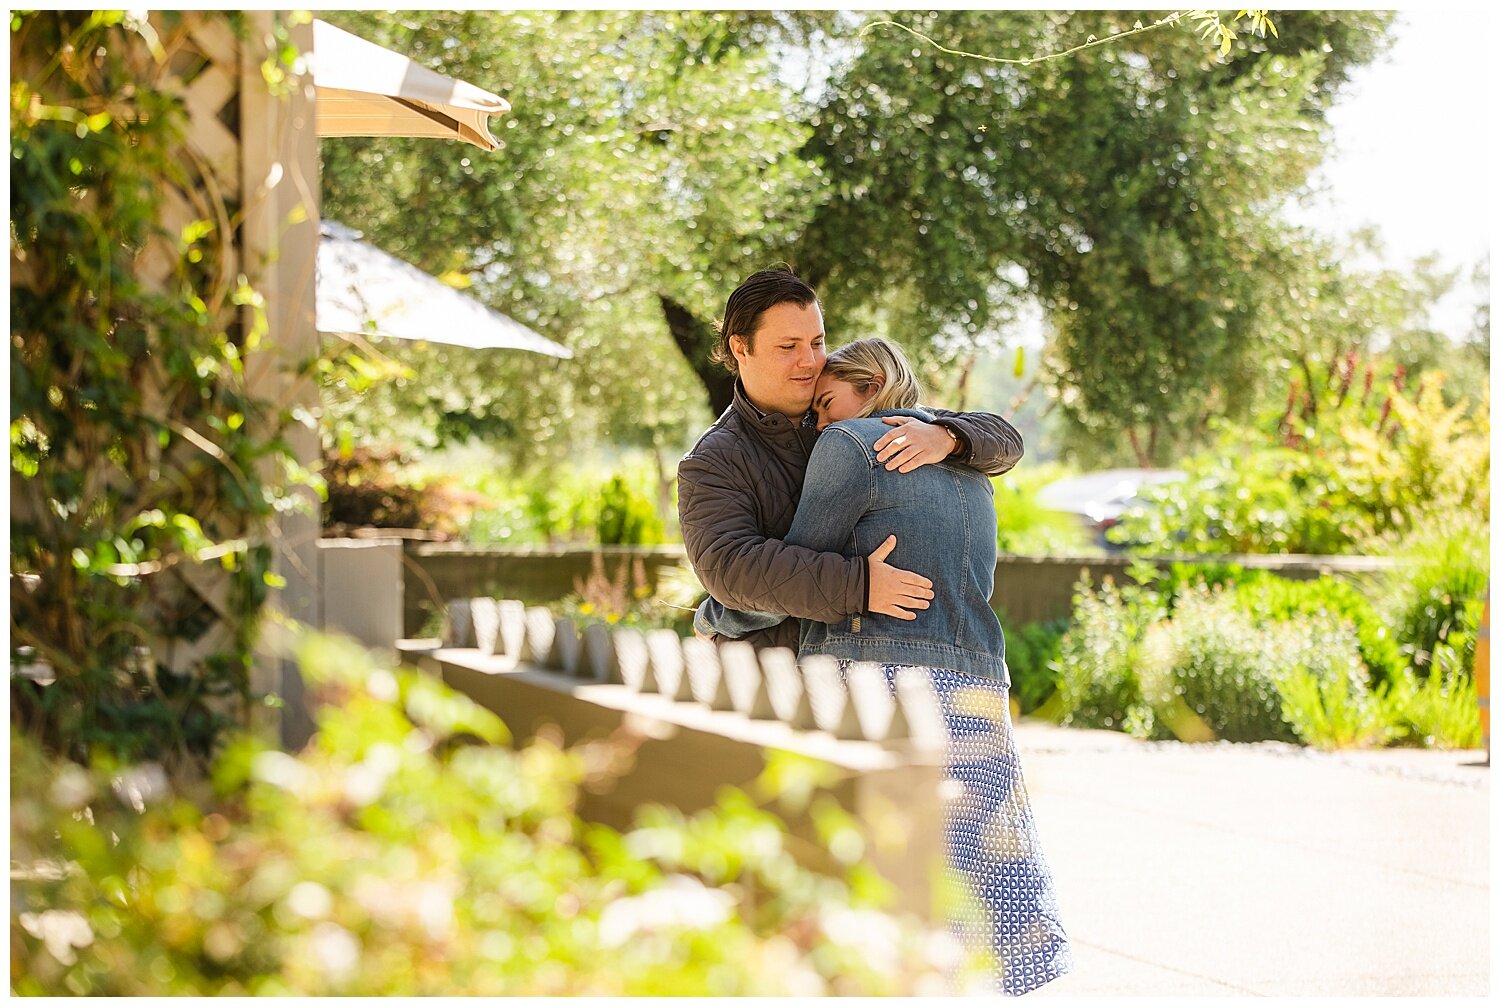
780,372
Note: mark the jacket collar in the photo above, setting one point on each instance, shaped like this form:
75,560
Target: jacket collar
768,422
777,431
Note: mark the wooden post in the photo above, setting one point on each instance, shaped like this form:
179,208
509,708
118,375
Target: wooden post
1482,675
279,165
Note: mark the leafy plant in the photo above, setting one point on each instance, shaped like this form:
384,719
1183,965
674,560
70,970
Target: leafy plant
1031,653
1180,578
1325,689
627,517
1437,598
408,851
611,600
1097,657
1440,709
1269,598
1024,526
1243,497
1435,463
1223,670
366,490
1206,651
590,499
1351,464
145,469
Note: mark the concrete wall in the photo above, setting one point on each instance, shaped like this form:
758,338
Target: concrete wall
362,586
1027,588
683,752
438,572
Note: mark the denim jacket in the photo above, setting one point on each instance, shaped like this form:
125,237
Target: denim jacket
943,517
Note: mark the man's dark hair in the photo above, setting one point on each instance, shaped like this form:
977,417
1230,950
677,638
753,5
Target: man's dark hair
760,291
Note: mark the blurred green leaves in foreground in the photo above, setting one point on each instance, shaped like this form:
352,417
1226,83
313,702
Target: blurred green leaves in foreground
409,850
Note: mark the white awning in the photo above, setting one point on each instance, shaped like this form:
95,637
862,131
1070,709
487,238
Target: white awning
362,290
367,90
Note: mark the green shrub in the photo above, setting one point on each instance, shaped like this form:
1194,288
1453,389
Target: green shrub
1097,685
1216,671
597,500
1182,577
1223,668
1031,652
1344,476
1244,655
408,851
1437,598
1325,688
1244,498
1269,598
1440,709
627,517
1023,526
625,598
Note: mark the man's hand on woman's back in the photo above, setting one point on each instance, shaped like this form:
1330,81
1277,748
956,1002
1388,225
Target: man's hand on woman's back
913,444
894,591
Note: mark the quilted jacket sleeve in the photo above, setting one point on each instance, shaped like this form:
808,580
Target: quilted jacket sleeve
990,444
744,569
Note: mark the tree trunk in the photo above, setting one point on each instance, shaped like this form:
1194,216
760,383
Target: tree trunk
695,338
664,479
963,382
1142,459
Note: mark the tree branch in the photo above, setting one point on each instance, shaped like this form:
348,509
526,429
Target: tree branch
694,338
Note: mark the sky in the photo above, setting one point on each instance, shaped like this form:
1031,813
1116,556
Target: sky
1412,155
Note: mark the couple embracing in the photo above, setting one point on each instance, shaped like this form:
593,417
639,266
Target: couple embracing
828,512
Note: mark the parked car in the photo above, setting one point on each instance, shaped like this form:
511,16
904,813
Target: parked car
1099,498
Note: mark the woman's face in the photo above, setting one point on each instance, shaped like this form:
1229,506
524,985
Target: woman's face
835,399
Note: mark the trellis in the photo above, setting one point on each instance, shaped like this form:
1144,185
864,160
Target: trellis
235,228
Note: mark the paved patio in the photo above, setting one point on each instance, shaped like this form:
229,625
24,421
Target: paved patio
1256,870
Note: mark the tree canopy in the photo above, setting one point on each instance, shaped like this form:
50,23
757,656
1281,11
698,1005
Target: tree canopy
655,158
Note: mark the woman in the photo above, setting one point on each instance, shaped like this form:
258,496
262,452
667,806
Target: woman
943,516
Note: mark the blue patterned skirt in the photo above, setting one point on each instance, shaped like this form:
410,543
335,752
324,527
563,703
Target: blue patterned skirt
1010,910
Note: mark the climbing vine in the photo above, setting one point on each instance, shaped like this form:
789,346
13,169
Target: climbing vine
144,472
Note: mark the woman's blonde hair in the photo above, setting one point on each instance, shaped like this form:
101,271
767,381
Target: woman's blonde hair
864,361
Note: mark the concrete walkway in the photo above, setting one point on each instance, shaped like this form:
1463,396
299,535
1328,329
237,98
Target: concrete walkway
1263,870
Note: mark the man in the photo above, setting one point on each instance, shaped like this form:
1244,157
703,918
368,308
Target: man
739,486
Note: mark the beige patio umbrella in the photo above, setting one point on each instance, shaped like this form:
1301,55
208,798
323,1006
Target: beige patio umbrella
366,90
365,291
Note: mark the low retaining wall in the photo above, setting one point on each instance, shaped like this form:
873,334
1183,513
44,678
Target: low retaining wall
705,717
1027,588
438,572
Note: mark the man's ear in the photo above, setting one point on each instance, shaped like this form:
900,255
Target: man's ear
739,347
